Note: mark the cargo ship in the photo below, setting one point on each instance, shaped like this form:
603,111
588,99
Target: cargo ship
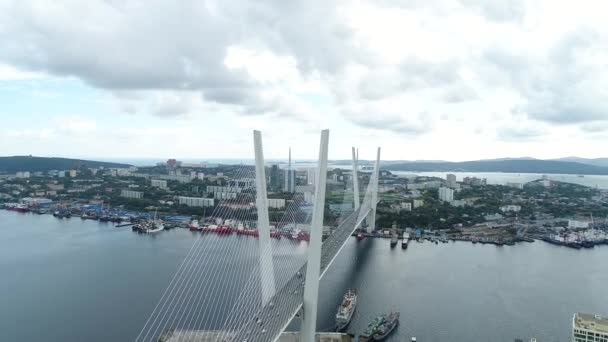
346,309
20,208
405,241
390,323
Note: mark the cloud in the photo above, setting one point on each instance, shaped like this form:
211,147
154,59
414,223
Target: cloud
374,63
519,133
562,86
375,117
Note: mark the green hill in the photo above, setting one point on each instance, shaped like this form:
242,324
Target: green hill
29,163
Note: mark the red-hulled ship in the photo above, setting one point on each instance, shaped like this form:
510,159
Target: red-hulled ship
224,230
18,208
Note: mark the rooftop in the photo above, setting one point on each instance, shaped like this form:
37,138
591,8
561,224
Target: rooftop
591,322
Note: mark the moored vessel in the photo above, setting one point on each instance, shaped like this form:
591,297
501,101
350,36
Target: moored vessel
371,329
385,328
346,309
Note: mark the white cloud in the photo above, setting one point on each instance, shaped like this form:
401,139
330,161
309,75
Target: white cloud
427,71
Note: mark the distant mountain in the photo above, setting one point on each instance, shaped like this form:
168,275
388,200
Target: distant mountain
29,163
512,165
589,161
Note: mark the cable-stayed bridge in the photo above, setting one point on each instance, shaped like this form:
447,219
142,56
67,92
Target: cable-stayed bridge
279,286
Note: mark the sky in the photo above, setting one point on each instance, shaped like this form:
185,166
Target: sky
424,79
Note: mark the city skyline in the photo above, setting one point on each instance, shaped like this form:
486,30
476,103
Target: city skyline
434,80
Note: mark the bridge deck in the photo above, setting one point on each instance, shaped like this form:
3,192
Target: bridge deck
210,336
272,319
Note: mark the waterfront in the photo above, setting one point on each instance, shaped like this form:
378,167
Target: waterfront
501,178
76,280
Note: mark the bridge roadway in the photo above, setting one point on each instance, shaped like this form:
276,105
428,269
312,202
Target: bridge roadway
271,320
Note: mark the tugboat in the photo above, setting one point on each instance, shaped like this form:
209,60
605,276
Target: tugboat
360,236
390,322
346,309
371,329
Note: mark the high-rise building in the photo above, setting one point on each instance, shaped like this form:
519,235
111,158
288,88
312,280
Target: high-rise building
159,183
290,177
588,328
446,194
451,180
275,178
196,201
131,194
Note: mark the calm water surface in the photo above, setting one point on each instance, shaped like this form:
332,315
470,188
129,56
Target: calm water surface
74,280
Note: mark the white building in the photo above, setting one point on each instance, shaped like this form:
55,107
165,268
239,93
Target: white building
73,173
224,195
407,206
61,174
132,194
578,224
418,203
511,207
277,203
159,183
196,201
446,194
589,328
23,174
311,176
213,189
451,180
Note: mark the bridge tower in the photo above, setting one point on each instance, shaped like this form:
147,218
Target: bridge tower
356,179
311,288
266,265
375,181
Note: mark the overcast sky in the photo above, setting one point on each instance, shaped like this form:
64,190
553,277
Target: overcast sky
424,79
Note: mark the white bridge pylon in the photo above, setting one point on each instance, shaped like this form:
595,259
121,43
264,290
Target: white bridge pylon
266,264
320,254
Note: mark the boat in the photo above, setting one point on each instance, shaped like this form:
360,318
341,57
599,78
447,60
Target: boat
62,214
20,208
360,236
275,234
194,226
390,323
300,235
371,329
405,241
155,227
151,226
394,240
89,216
223,230
346,309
